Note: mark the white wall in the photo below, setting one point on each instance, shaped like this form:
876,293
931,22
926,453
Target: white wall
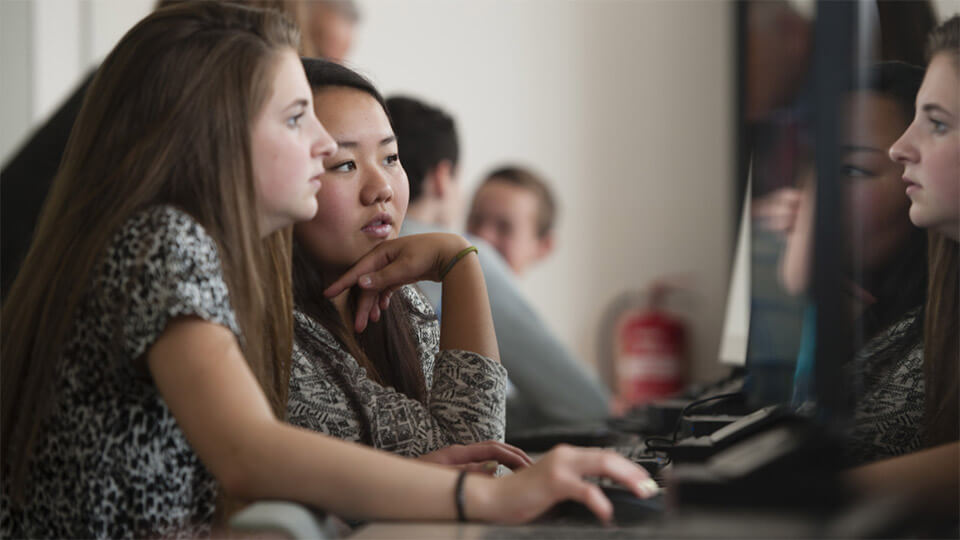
624,105
49,46
946,8
16,73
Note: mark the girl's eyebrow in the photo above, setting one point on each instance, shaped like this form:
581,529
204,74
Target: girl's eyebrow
855,148
931,107
354,144
297,103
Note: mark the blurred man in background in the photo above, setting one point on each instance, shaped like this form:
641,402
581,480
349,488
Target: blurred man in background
514,211
549,386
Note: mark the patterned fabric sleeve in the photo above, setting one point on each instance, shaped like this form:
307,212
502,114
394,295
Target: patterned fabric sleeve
331,393
164,265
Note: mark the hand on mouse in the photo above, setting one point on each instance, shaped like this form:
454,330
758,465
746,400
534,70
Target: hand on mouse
559,475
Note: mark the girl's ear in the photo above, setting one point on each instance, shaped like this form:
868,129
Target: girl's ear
440,179
545,246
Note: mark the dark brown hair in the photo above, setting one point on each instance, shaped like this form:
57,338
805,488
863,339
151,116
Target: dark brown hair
426,136
900,285
386,349
166,120
941,337
295,10
527,179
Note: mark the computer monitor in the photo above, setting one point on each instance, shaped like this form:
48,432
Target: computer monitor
736,318
796,62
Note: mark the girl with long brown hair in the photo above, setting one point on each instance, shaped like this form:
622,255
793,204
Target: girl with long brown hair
930,152
147,338
390,385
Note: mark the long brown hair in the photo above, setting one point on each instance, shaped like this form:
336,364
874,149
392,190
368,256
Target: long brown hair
295,10
386,349
166,120
941,337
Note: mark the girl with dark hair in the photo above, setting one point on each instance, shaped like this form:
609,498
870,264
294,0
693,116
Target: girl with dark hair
886,273
146,342
888,269
929,151
399,384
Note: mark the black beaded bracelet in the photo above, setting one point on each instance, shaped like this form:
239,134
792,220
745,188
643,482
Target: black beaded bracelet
458,496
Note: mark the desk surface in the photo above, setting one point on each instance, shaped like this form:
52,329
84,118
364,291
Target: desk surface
690,524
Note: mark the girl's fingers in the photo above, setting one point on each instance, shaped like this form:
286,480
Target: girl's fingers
487,467
365,304
385,297
397,273
506,454
591,496
371,262
616,467
510,455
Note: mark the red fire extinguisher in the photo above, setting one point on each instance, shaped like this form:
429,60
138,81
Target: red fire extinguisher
649,351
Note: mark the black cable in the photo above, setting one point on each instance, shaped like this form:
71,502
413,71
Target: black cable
667,443
697,403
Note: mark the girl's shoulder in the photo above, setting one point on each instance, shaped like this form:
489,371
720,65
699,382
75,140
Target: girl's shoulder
161,263
420,306
161,239
163,227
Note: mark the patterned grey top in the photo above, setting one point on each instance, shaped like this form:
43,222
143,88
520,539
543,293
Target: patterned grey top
889,404
466,392
111,461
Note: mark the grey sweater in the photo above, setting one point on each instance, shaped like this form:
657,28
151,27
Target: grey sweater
550,385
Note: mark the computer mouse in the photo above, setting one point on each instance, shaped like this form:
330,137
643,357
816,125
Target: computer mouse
628,509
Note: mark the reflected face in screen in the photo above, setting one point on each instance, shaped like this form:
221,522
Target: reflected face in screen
929,150
877,209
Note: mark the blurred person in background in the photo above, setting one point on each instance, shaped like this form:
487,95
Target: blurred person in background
514,211
549,386
329,27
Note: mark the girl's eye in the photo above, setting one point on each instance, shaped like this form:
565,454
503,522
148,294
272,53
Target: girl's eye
938,126
294,121
392,159
852,171
346,166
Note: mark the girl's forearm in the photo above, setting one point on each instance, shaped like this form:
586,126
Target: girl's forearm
929,478
343,478
466,321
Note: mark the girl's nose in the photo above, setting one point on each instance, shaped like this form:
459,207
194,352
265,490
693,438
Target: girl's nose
377,188
903,151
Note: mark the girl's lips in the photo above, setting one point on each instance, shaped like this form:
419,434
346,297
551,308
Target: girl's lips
911,185
380,230
379,227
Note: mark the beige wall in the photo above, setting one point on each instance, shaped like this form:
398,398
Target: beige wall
624,105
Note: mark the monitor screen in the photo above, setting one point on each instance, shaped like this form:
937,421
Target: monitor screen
836,270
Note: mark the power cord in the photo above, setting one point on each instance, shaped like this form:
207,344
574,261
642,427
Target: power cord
662,444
